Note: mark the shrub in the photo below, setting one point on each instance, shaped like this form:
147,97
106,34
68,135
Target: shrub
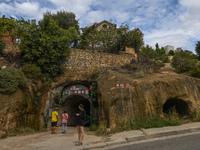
196,72
94,127
95,73
171,53
58,100
142,67
160,63
102,128
164,58
11,79
11,53
2,46
32,71
184,61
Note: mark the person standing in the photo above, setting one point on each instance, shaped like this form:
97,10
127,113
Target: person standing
64,121
54,120
80,124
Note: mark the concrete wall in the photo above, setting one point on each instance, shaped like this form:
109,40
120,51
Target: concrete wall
85,59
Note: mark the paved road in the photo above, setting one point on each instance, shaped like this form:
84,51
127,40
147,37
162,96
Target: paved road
187,142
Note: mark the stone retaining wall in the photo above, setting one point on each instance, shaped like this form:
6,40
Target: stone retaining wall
85,59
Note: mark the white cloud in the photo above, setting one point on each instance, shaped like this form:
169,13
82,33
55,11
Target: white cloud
94,16
79,7
27,10
173,22
175,38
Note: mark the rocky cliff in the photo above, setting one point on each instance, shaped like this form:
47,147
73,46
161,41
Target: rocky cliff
23,108
153,95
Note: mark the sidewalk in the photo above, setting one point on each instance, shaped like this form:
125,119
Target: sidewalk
48,141
138,135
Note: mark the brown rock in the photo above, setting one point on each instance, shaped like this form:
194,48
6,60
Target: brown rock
148,97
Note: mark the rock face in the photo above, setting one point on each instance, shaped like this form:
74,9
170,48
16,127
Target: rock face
23,108
151,96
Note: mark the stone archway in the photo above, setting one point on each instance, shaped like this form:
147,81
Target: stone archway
179,105
71,106
74,95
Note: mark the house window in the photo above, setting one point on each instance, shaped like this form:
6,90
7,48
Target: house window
104,26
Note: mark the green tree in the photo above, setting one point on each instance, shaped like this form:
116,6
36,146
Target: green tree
46,45
197,49
90,37
160,54
162,51
133,38
106,38
159,51
148,52
2,46
184,61
65,20
171,53
157,48
7,27
13,27
111,38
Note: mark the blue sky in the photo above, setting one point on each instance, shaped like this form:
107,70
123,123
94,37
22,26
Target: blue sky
166,22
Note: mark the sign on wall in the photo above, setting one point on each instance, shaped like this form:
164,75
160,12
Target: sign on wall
127,85
75,89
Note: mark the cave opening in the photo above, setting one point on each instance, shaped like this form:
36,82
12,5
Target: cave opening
181,107
71,106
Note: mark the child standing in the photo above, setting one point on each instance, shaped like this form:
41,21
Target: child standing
64,121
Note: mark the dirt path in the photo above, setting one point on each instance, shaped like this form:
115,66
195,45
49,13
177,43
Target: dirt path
167,67
48,141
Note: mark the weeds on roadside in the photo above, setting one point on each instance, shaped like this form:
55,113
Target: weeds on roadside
170,119
195,116
102,128
4,136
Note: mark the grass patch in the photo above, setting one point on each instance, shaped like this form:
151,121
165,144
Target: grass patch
170,119
4,136
102,128
21,131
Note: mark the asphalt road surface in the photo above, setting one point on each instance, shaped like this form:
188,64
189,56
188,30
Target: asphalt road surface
187,142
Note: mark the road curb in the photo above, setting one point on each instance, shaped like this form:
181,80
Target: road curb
122,141
105,144
170,133
142,137
99,145
135,138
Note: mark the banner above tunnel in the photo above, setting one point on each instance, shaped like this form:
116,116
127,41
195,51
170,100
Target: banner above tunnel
75,89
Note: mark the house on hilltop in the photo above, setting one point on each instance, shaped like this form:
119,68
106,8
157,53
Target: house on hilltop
101,25
95,40
168,48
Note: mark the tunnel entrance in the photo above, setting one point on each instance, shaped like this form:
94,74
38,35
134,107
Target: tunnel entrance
180,106
71,107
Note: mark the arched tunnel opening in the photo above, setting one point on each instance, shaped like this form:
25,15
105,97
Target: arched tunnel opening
180,106
71,107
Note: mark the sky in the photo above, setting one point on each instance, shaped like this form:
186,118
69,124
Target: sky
166,22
